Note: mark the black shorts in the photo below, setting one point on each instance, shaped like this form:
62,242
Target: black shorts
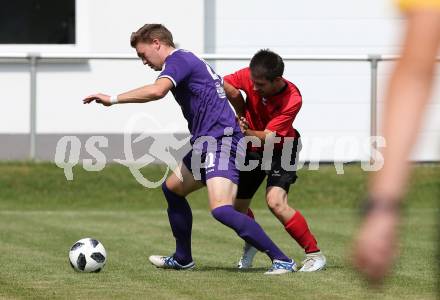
250,181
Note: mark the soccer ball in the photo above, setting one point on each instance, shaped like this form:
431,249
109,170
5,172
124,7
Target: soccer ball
87,255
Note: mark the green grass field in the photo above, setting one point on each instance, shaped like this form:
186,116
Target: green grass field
42,215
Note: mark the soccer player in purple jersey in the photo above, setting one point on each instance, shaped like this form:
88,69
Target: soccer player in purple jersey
199,92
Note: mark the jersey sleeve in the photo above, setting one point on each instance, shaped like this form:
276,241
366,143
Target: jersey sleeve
238,79
406,5
176,69
282,123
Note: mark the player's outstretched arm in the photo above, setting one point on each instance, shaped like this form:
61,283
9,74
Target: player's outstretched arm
143,94
235,98
261,134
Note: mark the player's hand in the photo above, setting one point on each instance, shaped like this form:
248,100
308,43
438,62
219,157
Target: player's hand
375,247
98,98
244,124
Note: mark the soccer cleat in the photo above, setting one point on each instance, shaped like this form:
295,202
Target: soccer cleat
313,262
281,267
246,259
169,262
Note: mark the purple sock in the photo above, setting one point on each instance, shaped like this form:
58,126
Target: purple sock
180,217
249,230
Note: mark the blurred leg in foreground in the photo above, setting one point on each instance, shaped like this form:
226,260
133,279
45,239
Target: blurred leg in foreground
375,246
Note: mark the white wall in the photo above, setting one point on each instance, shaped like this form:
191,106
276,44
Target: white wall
14,87
428,146
336,95
103,27
307,27
112,22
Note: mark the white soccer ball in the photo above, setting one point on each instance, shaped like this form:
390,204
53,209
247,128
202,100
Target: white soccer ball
87,255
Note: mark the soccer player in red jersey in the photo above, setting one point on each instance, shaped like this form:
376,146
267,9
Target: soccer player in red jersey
270,108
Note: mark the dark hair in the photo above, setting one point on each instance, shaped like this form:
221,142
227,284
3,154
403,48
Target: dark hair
149,32
267,64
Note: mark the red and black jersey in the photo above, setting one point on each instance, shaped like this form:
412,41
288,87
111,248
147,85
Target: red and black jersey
275,113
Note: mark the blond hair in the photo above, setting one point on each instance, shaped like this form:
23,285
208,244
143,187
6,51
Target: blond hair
149,32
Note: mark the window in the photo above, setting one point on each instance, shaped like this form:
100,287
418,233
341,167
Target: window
38,22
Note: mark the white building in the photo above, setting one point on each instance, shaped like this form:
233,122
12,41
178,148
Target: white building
334,120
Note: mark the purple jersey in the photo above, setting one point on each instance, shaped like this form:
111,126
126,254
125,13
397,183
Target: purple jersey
200,94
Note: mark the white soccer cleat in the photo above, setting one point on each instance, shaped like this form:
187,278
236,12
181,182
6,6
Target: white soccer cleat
169,262
313,262
247,258
281,267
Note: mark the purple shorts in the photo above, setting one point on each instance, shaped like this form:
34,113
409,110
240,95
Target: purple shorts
210,157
